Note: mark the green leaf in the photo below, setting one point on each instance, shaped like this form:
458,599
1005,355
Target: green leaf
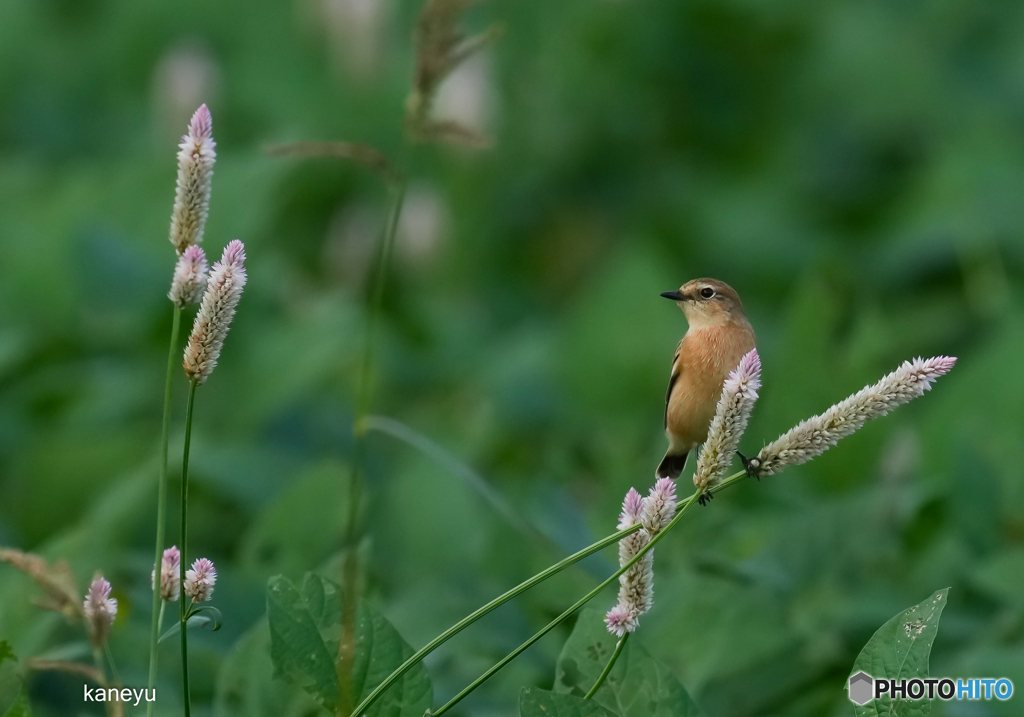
305,634
245,684
13,695
900,649
296,647
211,621
638,685
535,702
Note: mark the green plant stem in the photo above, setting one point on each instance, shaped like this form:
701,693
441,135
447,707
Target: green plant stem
364,390
364,394
184,547
589,596
97,657
479,613
118,682
161,503
608,668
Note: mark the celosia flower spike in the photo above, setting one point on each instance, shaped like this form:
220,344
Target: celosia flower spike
659,506
100,610
195,176
223,290
636,585
189,280
814,436
739,393
200,579
170,579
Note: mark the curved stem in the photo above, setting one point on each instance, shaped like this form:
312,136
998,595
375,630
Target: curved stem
473,617
184,547
589,596
161,503
608,668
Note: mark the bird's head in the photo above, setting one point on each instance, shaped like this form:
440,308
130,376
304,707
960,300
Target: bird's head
707,302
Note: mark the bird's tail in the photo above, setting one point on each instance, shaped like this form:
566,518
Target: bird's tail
671,466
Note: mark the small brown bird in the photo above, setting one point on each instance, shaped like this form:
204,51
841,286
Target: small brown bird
718,337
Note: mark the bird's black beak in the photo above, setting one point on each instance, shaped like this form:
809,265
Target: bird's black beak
674,295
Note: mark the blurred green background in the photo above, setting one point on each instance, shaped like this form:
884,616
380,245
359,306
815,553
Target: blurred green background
854,168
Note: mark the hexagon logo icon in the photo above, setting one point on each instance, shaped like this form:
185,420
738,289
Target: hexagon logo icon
861,688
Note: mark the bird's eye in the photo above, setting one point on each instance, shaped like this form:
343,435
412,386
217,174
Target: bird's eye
707,292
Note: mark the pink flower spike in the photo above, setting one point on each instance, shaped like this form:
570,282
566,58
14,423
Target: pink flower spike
659,506
620,621
813,436
196,157
170,579
189,281
199,581
739,393
223,292
234,253
100,610
631,507
201,126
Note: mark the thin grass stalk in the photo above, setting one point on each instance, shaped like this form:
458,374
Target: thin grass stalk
118,682
364,391
364,394
184,547
97,658
608,668
586,598
161,504
480,612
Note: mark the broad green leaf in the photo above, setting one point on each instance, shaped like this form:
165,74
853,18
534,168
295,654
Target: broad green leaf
6,652
638,686
900,649
305,634
245,684
535,702
296,647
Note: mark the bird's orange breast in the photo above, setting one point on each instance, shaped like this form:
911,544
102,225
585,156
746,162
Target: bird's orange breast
706,356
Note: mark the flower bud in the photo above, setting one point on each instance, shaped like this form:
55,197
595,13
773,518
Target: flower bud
100,610
170,580
200,579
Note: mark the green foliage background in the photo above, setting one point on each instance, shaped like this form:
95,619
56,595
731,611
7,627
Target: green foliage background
854,168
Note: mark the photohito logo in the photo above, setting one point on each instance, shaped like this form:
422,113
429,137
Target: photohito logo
864,688
861,688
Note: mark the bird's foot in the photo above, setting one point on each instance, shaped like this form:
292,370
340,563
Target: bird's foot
705,497
751,465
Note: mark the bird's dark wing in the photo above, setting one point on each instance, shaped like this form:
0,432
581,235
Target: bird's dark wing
676,370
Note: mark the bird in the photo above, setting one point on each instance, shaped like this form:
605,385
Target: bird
718,336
